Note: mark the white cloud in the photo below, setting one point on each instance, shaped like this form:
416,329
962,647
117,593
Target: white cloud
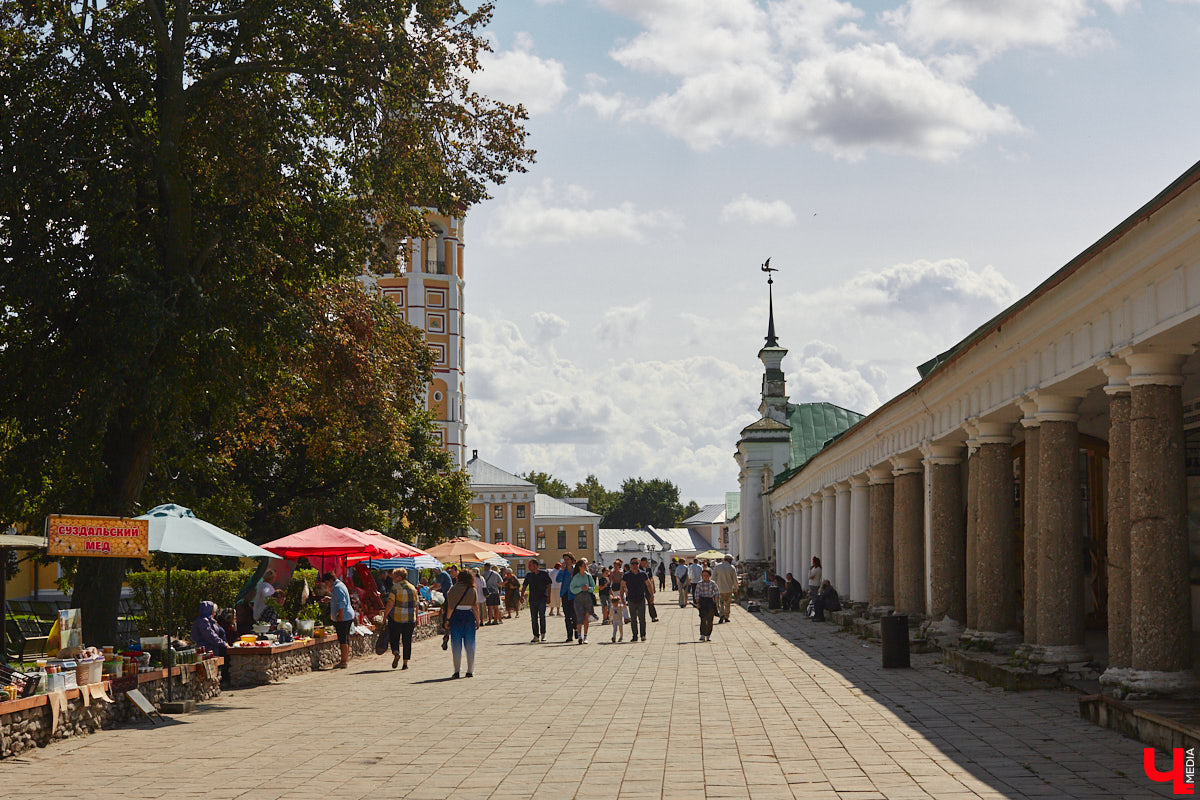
620,325
519,76
745,208
549,326
998,25
795,71
548,213
617,418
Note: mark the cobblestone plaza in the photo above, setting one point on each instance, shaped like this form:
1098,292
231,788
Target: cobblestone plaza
775,706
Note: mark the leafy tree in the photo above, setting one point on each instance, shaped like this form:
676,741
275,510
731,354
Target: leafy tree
547,484
691,509
178,176
600,500
653,501
337,433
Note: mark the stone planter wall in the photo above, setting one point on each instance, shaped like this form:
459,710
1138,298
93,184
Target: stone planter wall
27,723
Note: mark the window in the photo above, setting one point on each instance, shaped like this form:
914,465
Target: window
583,539
562,539
521,512
520,569
521,538
497,536
541,541
497,512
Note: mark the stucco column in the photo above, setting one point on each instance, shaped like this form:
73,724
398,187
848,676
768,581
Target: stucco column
1119,649
995,548
842,521
793,538
880,570
860,527
806,516
1060,534
947,538
908,536
751,528
797,533
818,517
1160,608
972,595
1029,522
828,533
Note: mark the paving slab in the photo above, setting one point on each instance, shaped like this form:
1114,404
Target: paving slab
776,706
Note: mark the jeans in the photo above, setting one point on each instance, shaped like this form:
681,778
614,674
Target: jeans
708,610
637,615
462,634
537,610
568,609
398,631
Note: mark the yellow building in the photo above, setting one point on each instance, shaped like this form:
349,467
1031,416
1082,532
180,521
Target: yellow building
426,282
505,508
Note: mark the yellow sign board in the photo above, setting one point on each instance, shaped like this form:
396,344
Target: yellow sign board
114,537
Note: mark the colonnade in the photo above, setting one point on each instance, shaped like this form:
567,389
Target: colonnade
931,531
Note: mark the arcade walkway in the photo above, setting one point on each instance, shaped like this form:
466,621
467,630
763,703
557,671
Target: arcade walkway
774,707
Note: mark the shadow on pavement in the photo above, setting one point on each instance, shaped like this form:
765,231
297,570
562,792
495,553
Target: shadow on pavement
1029,758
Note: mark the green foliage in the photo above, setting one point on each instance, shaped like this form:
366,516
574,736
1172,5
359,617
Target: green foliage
600,500
690,510
547,484
188,589
183,184
653,501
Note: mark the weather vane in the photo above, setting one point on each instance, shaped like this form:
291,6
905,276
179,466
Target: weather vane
772,341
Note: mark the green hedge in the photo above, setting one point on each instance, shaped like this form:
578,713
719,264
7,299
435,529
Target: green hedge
189,587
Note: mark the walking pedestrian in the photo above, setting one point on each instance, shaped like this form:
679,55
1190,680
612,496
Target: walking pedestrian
460,618
636,593
491,593
555,597
618,618
674,580
602,583
707,593
662,575
681,579
726,577
342,614
401,615
538,585
645,564
583,586
565,594
694,577
512,594
480,595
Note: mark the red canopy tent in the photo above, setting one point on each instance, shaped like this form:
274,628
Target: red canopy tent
322,542
510,549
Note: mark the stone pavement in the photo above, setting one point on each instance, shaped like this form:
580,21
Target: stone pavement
775,707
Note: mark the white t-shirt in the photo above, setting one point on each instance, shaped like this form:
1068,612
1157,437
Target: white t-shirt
694,572
814,576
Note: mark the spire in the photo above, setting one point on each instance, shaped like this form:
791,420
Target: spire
771,340
767,268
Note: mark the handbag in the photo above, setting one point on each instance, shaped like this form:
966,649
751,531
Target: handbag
383,642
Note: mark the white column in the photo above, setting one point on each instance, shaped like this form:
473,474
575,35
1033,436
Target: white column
806,518
860,518
750,528
793,537
842,584
828,532
818,518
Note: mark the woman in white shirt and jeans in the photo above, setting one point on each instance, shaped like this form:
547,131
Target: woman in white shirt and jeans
814,579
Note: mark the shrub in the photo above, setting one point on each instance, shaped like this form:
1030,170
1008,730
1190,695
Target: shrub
188,588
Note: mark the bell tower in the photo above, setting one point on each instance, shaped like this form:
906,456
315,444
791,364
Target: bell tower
427,284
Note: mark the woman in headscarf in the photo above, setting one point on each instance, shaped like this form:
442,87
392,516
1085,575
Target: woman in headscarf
205,630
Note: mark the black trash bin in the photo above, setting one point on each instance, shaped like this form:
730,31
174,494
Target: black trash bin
894,632
773,598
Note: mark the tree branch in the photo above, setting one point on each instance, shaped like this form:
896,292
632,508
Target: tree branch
160,25
255,67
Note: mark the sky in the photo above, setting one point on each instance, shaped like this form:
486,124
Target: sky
911,168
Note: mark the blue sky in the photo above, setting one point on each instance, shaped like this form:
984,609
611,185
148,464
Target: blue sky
910,167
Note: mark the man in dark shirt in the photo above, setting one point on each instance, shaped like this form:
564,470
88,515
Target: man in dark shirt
445,581
537,584
635,597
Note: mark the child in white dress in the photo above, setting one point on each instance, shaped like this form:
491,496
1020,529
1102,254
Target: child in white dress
617,609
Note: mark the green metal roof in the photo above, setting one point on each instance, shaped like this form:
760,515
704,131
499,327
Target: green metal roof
733,505
814,425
